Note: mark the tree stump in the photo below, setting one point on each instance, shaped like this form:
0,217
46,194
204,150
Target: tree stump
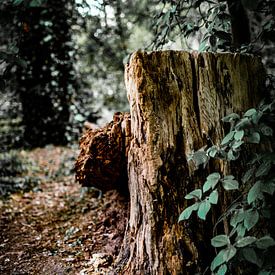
102,162
177,100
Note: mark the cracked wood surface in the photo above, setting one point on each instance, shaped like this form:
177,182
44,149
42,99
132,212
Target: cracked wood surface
177,99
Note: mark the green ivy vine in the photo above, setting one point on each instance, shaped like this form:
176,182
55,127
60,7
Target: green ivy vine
254,191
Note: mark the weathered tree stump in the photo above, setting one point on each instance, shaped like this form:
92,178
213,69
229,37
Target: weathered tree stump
177,100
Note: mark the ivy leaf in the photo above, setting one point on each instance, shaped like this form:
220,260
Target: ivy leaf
248,175
212,151
256,117
228,138
254,138
218,260
211,181
239,135
204,209
250,112
230,184
17,2
237,144
237,217
220,241
241,230
245,241
222,269
251,256
185,215
213,197
251,218
231,117
265,242
230,252
195,194
254,192
263,169
223,256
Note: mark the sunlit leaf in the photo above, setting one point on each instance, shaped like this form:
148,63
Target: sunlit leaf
213,197
228,138
230,184
241,230
239,135
212,151
211,181
195,194
220,241
185,215
218,260
237,217
204,209
245,241
250,112
222,269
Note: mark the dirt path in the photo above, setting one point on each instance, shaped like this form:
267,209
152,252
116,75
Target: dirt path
59,229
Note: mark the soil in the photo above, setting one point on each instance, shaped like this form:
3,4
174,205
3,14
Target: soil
59,227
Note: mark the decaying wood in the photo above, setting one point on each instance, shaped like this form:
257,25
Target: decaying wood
177,100
102,162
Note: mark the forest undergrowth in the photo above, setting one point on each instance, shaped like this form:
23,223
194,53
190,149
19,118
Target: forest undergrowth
56,226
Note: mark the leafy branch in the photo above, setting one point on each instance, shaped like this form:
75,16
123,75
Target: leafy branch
256,187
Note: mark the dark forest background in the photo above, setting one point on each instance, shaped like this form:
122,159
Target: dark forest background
62,62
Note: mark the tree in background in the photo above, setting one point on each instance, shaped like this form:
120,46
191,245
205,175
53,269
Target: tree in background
48,82
232,25
114,30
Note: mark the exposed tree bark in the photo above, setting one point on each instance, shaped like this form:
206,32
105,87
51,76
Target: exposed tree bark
177,99
102,162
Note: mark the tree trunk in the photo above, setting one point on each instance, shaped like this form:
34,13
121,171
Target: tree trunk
177,100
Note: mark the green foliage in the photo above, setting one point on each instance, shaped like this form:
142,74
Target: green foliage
251,207
14,173
114,30
211,20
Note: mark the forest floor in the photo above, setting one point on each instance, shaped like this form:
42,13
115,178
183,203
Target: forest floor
59,227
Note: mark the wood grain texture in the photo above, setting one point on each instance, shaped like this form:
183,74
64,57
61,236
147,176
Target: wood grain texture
177,99
102,162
